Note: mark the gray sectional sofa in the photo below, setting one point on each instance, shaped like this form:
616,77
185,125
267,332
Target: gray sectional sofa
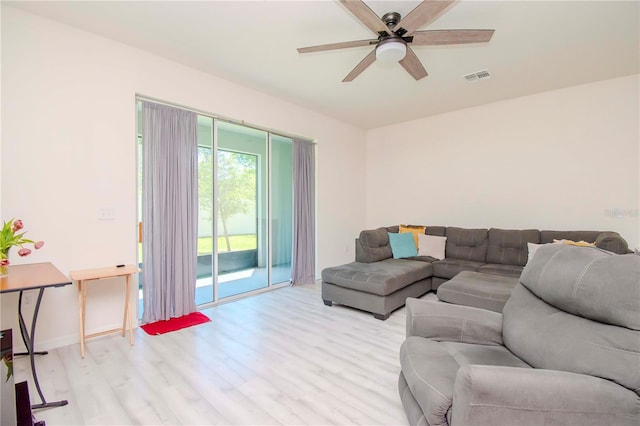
378,283
565,350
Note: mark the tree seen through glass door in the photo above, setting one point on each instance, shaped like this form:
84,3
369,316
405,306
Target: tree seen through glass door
237,194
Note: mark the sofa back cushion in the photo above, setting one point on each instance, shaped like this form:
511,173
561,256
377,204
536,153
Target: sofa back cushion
587,281
576,309
549,236
373,246
610,241
394,229
438,231
466,244
613,242
509,246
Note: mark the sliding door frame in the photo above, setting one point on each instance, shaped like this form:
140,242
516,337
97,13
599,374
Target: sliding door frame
215,269
214,218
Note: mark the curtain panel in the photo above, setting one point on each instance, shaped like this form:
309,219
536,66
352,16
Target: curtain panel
169,211
304,221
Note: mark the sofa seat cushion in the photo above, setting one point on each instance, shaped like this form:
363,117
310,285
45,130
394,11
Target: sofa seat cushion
486,291
450,267
380,278
504,270
423,258
430,367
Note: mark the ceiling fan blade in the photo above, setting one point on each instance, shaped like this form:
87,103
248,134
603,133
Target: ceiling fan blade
363,65
366,16
423,14
440,37
412,64
334,46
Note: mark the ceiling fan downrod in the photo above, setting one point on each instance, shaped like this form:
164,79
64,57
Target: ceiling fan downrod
391,19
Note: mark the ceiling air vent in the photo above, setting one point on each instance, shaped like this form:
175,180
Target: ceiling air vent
479,75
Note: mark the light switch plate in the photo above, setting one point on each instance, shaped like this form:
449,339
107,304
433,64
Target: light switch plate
107,213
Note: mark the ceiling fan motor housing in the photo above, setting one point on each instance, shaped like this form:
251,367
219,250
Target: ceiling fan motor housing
391,19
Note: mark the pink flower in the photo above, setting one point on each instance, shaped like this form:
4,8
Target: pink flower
17,225
38,245
24,252
4,262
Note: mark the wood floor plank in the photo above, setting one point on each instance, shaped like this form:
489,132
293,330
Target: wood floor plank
280,357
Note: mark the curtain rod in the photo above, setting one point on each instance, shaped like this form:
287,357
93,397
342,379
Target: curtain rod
223,118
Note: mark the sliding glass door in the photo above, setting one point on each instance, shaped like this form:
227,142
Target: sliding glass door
206,213
242,209
281,208
245,210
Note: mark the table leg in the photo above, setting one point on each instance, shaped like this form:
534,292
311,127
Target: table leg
32,339
81,308
23,332
127,307
84,303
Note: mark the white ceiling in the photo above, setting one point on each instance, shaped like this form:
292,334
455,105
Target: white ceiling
537,46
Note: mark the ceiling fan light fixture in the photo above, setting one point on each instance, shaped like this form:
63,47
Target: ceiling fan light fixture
391,51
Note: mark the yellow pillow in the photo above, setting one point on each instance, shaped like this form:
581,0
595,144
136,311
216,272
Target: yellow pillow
416,230
575,243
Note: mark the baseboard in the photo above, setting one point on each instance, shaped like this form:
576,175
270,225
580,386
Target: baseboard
66,340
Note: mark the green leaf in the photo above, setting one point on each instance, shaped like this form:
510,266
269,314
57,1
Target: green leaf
9,365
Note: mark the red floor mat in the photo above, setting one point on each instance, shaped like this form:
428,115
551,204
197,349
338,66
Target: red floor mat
173,324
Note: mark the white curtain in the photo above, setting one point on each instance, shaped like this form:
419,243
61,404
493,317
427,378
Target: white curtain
169,211
304,217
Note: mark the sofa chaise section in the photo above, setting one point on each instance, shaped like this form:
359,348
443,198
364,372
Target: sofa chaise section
379,288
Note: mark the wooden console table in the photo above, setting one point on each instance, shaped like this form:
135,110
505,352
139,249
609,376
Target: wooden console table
86,275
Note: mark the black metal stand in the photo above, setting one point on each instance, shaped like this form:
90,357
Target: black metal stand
29,342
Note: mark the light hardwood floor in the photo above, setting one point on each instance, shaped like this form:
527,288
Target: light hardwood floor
280,357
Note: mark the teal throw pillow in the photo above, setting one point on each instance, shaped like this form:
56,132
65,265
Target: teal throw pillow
402,245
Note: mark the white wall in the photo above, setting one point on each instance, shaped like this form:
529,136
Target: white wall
68,148
566,159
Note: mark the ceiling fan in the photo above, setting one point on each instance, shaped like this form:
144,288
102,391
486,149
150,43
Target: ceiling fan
396,35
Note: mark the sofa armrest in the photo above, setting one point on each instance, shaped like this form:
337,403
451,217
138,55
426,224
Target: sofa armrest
485,395
442,321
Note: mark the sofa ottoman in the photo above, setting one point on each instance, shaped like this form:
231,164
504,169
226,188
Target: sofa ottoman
379,288
486,291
